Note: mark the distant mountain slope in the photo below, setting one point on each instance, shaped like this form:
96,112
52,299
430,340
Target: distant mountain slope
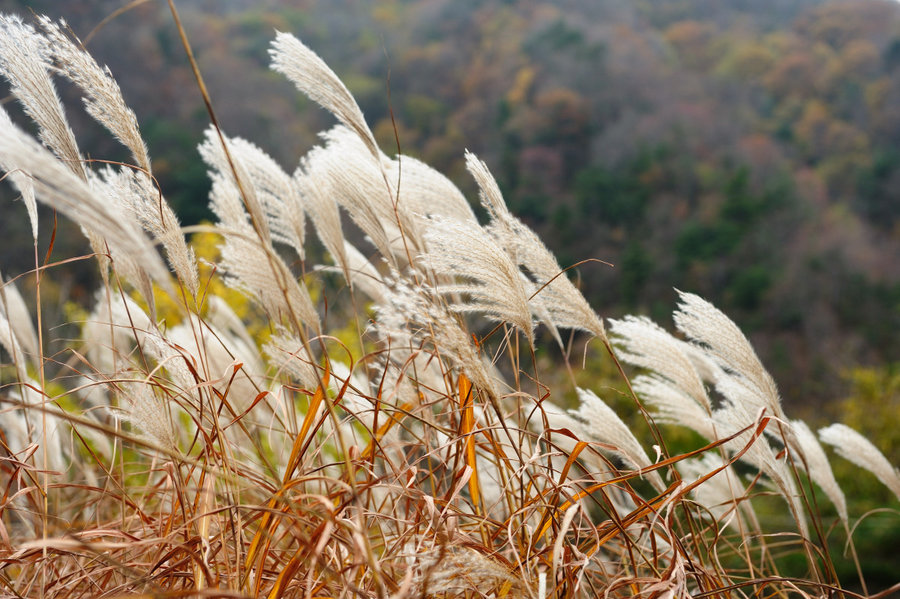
746,150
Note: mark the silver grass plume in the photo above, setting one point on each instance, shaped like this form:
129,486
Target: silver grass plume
222,317
248,240
426,192
103,100
233,197
25,61
10,343
720,494
56,185
22,181
600,423
363,274
135,191
723,341
819,467
314,78
458,570
671,405
673,389
345,169
273,188
143,409
288,354
555,292
220,352
733,416
493,286
324,212
276,289
409,317
15,310
854,447
112,329
25,428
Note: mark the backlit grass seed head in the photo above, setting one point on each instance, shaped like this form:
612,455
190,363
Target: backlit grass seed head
323,210
723,494
25,61
490,280
315,79
854,447
15,310
598,422
21,181
103,98
704,324
820,472
345,170
554,294
276,192
645,344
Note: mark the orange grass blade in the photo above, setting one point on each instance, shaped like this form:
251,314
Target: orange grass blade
308,420
545,519
467,426
383,430
268,524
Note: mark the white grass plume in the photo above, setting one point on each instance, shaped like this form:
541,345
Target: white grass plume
555,293
409,318
324,212
255,269
57,186
350,174
103,99
274,189
426,192
233,197
22,181
854,447
316,79
25,61
734,416
599,422
288,354
704,324
136,192
720,494
345,169
644,344
363,274
142,408
15,310
493,285
10,343
459,570
671,405
819,467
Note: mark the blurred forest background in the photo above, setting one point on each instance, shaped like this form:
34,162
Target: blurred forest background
744,150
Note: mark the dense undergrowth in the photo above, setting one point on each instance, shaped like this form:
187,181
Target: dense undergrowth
239,422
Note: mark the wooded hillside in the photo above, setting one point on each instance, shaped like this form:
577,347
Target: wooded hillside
745,151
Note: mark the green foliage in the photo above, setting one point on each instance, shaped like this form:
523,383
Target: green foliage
637,268
879,189
611,197
747,289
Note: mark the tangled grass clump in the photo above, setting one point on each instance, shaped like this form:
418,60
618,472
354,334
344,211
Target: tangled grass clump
190,451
